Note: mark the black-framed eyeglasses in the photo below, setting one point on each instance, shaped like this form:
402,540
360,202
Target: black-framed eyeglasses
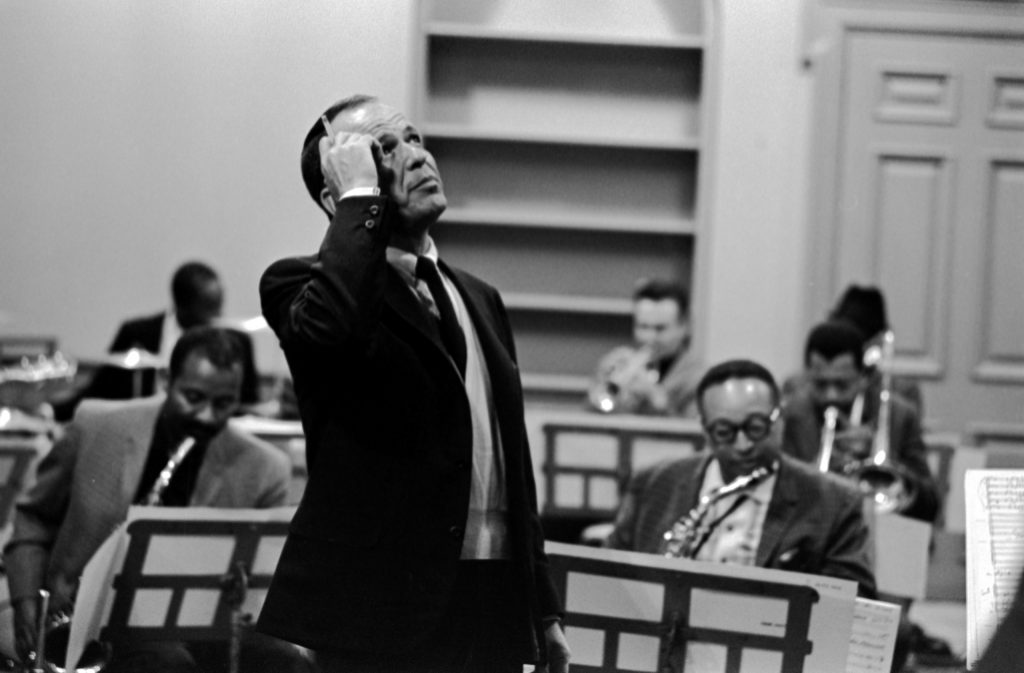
755,426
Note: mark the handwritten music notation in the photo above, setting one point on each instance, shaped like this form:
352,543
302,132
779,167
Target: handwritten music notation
873,637
995,551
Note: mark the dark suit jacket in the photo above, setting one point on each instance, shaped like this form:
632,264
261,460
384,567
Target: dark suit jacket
88,480
374,546
146,333
815,519
802,439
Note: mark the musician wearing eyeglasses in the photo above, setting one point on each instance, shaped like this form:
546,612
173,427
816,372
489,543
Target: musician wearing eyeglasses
174,450
837,378
742,500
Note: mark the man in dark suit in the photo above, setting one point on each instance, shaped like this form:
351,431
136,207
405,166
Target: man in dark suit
788,516
198,298
417,545
837,377
118,453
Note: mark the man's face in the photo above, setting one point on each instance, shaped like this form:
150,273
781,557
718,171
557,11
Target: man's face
202,398
834,383
408,171
731,405
657,326
202,310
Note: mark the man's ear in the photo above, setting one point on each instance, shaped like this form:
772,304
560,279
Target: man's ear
327,201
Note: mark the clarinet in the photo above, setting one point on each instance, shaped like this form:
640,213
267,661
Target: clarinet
156,494
688,533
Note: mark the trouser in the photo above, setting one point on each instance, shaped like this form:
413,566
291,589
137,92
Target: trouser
479,632
259,653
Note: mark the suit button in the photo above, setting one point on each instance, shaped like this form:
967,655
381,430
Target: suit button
369,224
456,532
462,464
374,210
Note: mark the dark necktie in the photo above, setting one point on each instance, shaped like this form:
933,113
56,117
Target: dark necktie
451,332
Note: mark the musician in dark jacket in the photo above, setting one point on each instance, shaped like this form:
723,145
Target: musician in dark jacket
788,516
417,545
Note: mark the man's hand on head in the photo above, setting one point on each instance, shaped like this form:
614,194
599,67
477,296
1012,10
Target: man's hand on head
348,161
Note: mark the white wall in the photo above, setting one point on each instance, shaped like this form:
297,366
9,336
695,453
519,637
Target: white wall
136,135
755,261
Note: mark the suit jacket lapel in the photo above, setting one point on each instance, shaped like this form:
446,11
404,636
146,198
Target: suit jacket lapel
137,437
781,511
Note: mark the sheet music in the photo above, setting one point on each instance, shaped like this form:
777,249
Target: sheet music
995,551
873,638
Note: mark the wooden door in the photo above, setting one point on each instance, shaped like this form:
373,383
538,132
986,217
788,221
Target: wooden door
927,201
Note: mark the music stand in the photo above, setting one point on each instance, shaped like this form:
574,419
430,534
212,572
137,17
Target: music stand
639,612
189,579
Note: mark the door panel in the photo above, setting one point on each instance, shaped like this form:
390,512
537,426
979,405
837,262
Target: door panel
930,207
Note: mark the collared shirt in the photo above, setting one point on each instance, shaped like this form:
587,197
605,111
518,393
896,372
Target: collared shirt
170,333
737,535
486,533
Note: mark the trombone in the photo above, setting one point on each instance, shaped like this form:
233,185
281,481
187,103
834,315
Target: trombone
878,477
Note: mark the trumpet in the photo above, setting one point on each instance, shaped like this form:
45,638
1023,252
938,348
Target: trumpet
621,377
53,632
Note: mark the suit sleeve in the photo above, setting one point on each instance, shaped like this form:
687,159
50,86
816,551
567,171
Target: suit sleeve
334,297
277,478
549,603
623,535
38,517
911,455
847,552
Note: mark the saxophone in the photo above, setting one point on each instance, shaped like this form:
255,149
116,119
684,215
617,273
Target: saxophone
688,534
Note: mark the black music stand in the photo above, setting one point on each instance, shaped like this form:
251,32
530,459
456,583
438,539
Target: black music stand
676,611
183,596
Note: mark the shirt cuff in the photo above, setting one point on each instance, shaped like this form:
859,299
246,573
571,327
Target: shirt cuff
361,191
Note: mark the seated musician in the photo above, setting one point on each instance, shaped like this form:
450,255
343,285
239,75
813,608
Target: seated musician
837,377
765,508
118,453
864,308
657,374
197,295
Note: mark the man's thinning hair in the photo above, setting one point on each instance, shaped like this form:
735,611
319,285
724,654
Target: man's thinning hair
222,347
657,289
310,158
189,280
834,338
735,369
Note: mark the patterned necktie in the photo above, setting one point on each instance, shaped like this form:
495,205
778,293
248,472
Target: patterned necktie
451,333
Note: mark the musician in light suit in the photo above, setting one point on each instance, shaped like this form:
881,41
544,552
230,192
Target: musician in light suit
417,545
112,456
792,518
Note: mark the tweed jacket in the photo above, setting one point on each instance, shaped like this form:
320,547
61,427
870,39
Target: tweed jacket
87,482
802,439
373,550
814,524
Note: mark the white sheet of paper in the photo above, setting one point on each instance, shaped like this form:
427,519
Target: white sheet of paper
831,617
901,555
873,638
92,604
994,502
